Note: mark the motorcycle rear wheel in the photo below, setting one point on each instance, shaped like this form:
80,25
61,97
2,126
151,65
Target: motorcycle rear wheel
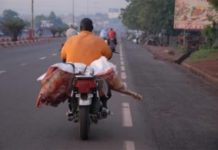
84,122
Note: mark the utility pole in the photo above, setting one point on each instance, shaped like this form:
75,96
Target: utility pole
31,32
73,11
87,7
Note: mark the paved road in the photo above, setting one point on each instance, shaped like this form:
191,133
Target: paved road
180,108
178,111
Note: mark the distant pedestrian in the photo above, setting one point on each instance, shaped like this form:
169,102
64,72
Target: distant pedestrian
137,37
160,38
103,34
71,31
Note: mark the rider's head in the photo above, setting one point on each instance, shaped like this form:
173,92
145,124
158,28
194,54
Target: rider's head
86,25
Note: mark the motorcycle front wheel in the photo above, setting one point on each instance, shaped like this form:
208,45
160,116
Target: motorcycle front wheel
84,122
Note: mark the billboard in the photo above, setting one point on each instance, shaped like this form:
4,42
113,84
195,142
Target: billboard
193,14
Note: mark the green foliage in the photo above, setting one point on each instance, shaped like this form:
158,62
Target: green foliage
39,19
56,21
55,30
210,34
52,16
214,3
57,25
8,13
204,54
11,24
149,15
132,15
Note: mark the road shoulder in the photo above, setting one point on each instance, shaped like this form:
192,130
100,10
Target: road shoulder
203,68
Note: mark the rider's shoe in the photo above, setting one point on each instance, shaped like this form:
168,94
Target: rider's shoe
69,115
105,109
72,116
105,112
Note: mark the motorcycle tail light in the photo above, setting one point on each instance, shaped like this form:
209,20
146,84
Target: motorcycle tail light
85,85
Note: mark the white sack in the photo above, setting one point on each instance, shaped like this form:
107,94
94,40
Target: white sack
102,65
68,67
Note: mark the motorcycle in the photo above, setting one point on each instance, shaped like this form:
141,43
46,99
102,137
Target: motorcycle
85,104
112,44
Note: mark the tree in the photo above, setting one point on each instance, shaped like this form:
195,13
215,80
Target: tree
214,3
39,19
58,30
133,16
149,15
210,34
12,24
58,25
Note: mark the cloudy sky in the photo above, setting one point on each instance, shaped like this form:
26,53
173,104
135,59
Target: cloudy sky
23,7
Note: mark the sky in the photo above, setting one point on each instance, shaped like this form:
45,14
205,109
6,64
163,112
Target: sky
61,7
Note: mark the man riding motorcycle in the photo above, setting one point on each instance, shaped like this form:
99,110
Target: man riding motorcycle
112,39
85,48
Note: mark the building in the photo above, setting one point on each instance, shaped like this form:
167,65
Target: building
113,13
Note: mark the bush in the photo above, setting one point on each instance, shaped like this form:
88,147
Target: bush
210,32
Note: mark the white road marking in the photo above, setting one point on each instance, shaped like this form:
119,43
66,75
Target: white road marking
121,55
129,145
122,68
122,62
121,58
121,49
42,58
127,117
124,95
2,71
54,54
123,75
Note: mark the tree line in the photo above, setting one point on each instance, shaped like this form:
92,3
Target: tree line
155,16
149,15
11,24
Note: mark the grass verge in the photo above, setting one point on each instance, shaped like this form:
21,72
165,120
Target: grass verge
204,54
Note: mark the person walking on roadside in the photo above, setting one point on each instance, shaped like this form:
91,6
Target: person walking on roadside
71,31
103,34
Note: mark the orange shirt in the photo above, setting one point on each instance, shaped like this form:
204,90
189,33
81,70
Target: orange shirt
85,48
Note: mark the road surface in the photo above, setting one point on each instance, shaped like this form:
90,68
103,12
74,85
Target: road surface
178,112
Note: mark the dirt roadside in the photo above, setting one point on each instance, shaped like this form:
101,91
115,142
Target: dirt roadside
9,43
207,69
